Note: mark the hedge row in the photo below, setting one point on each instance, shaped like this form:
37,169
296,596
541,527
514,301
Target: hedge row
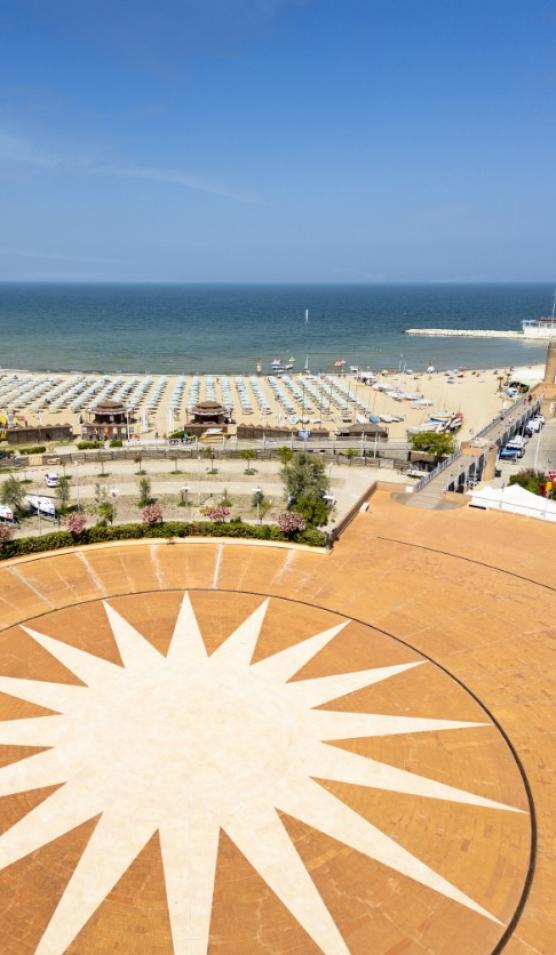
34,449
100,533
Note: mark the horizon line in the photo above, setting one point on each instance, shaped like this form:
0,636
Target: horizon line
274,282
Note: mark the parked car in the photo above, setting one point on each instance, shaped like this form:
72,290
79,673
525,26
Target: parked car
510,454
518,441
51,479
6,514
517,444
533,426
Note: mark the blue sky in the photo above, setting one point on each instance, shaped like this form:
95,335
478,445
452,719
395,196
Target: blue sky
278,140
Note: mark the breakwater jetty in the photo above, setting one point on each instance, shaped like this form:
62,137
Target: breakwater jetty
462,333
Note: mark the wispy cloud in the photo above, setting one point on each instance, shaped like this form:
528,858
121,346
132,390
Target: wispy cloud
21,151
175,177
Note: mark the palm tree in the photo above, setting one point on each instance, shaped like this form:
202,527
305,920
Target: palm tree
284,455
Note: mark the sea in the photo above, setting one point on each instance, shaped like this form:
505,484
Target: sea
180,329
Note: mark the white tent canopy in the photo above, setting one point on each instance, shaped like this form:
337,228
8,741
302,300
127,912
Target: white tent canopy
514,499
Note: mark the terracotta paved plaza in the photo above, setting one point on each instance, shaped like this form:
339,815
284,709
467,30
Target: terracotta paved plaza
362,764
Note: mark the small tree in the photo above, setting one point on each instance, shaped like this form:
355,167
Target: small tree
152,514
249,455
100,493
439,444
175,458
260,504
144,486
304,474
106,512
75,524
284,455
12,494
63,493
313,508
291,523
216,513
138,459
350,454
225,500
6,534
210,454
104,507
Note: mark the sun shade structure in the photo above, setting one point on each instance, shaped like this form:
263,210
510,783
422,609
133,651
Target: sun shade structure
209,412
514,499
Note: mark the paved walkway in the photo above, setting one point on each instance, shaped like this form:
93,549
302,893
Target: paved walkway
430,496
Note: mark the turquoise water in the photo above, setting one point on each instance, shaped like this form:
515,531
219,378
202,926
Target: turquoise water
177,329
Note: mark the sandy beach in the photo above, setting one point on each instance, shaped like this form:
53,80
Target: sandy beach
161,402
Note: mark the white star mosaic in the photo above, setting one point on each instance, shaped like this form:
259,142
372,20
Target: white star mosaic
188,744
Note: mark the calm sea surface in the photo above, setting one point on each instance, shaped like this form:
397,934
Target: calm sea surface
217,328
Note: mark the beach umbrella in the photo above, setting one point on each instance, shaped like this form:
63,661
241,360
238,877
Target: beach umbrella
339,363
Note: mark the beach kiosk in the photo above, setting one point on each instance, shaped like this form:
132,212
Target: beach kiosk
209,413
108,420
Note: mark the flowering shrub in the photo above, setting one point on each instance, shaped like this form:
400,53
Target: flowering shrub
100,533
152,514
218,513
291,523
5,534
75,524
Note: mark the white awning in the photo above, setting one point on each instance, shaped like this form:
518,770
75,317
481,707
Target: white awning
514,499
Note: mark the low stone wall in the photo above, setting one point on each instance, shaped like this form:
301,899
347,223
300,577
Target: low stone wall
364,498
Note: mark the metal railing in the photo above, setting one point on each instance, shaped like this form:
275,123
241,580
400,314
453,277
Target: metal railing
427,478
532,408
